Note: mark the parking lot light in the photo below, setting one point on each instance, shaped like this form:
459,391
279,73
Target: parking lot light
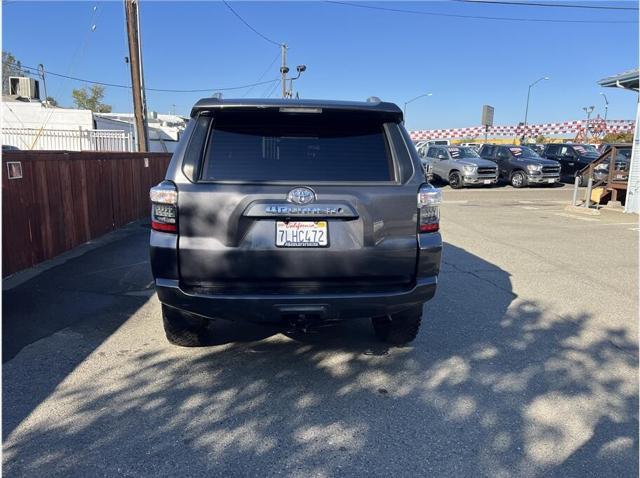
404,111
606,106
526,111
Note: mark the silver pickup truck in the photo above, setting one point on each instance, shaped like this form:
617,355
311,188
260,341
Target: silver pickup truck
460,166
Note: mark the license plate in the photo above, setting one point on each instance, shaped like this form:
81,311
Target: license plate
302,234
551,180
487,181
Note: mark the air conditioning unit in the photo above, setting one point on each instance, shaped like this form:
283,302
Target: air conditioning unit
24,87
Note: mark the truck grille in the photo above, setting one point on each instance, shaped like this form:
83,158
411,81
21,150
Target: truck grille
487,171
550,169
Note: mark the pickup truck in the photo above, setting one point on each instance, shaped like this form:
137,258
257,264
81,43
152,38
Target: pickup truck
460,166
521,166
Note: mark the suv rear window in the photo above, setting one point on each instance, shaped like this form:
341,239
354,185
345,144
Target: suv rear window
274,146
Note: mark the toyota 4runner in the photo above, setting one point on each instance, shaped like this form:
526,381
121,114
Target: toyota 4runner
295,212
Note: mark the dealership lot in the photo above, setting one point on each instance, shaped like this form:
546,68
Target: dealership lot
526,365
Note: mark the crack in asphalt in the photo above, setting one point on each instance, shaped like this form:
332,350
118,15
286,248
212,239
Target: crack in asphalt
474,274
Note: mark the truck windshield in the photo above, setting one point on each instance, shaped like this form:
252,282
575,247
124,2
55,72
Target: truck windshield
274,146
463,153
586,149
524,152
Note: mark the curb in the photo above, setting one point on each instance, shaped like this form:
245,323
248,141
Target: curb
582,210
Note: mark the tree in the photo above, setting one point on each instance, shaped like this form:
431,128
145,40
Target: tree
10,67
618,138
91,99
541,139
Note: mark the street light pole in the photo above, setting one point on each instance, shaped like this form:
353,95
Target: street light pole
526,111
404,110
588,110
606,107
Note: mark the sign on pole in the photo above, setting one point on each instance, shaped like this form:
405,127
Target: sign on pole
487,119
487,115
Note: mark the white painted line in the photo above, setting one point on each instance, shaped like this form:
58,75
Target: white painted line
634,228
455,202
619,224
530,208
577,217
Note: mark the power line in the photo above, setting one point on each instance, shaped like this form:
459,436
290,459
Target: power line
164,90
553,5
264,37
476,17
263,73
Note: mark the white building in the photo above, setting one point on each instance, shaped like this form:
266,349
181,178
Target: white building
164,130
629,80
28,123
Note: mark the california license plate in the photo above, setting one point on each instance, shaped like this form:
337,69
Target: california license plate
302,234
487,181
551,180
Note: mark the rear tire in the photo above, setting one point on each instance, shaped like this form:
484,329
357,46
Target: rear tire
400,328
518,179
183,329
455,180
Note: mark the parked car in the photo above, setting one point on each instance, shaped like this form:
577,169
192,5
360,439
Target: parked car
460,166
572,158
521,166
8,147
294,212
621,163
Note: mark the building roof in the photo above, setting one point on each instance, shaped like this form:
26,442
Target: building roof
627,80
207,104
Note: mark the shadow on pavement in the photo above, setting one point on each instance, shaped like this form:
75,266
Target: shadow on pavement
494,385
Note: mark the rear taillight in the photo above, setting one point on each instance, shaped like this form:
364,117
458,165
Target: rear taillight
164,207
429,199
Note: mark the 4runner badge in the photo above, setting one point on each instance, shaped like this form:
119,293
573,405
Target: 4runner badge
301,196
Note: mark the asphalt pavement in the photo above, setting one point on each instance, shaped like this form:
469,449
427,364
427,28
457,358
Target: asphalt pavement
526,365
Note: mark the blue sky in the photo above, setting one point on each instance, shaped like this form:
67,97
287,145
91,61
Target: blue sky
351,53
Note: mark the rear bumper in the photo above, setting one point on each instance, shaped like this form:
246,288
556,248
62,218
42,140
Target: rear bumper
272,308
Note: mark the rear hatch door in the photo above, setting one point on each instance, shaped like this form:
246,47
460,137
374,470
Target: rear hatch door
306,201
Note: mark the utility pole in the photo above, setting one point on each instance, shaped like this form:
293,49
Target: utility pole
137,77
284,69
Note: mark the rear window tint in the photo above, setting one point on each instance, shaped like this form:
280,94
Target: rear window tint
273,146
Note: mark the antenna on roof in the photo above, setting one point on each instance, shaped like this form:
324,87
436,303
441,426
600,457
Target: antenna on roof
374,99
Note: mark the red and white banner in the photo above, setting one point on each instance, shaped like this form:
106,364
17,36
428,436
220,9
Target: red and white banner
596,126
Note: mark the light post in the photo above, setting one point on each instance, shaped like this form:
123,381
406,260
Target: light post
300,69
526,111
588,110
404,111
606,107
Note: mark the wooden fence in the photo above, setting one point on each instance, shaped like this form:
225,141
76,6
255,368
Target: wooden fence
67,198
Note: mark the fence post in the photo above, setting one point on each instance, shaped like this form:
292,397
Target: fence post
575,191
587,201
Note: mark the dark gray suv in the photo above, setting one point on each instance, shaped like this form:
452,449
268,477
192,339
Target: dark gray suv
295,212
